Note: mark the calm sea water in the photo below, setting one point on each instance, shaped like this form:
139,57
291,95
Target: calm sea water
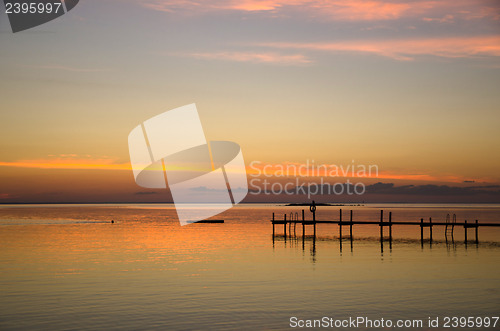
68,267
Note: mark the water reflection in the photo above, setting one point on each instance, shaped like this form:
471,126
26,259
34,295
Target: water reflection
69,268
291,240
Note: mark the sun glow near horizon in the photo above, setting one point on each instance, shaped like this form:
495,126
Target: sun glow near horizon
408,86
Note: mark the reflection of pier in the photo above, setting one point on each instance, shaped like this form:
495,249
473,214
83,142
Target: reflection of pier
449,225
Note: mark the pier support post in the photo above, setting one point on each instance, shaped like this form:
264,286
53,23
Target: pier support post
390,226
477,234
284,225
350,227
381,225
390,230
430,229
350,230
340,225
303,226
422,232
312,208
273,225
465,230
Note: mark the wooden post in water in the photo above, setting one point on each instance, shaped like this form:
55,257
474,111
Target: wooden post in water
350,230
465,229
477,234
422,232
295,225
430,229
390,230
312,208
390,226
273,225
381,226
284,225
340,225
303,226
350,227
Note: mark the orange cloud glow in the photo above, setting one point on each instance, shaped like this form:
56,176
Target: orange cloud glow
68,163
342,10
352,10
291,169
254,57
285,169
404,50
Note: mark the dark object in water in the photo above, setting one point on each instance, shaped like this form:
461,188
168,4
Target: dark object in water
112,221
207,221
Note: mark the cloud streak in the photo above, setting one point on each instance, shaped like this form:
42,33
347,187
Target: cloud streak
352,10
435,190
355,171
253,57
275,170
65,68
342,10
69,162
405,49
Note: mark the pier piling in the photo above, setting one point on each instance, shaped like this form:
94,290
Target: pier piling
273,225
430,229
350,227
465,230
390,230
422,232
303,224
381,225
448,224
284,225
477,233
340,225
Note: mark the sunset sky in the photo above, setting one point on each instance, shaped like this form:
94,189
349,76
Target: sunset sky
411,86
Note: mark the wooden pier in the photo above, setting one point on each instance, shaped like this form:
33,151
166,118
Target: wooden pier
449,225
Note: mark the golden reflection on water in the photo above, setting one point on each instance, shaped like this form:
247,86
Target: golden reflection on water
69,267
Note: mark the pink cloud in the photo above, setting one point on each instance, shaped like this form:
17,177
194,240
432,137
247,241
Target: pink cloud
255,57
405,50
344,10
341,10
